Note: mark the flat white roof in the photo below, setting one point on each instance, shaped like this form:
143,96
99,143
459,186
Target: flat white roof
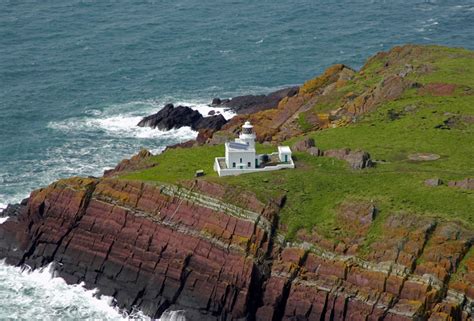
284,149
233,146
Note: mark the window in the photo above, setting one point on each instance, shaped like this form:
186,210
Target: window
249,164
233,165
241,161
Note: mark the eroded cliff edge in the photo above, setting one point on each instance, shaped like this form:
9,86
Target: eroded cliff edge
158,246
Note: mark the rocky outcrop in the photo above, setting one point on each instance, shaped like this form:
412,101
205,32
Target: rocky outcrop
341,95
218,251
136,162
467,183
437,89
316,284
303,145
214,251
151,247
433,182
389,88
250,104
170,117
356,159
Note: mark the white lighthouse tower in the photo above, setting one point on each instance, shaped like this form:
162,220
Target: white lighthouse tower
247,136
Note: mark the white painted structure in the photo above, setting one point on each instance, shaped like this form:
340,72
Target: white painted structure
241,157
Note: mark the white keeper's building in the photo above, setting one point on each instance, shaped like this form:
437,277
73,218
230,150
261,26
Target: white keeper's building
241,157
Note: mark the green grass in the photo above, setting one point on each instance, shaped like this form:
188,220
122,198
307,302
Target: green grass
318,185
181,164
305,126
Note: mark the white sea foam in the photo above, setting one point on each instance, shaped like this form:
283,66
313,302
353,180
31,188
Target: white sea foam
204,108
39,294
121,120
173,316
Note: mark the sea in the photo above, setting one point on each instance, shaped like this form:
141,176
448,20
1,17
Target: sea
77,76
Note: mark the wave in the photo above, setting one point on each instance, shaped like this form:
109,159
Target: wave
173,316
41,294
121,120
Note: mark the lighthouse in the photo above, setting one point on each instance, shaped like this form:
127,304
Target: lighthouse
247,135
241,157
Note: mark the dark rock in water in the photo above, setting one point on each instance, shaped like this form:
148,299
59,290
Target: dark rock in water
211,113
216,102
175,117
171,117
13,210
213,122
249,104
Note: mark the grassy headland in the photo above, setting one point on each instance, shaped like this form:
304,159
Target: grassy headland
435,116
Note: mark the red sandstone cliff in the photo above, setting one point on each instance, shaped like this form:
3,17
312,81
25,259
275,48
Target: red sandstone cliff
155,247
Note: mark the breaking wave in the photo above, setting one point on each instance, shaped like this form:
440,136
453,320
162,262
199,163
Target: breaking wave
41,294
34,294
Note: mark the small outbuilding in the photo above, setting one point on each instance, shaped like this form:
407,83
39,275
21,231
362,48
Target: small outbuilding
284,154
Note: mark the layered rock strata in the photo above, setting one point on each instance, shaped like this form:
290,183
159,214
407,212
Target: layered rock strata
216,253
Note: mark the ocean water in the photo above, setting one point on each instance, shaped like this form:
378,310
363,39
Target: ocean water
76,76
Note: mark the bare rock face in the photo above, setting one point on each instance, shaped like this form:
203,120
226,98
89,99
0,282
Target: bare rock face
150,247
356,159
433,182
250,104
357,214
390,88
134,163
438,89
314,151
467,183
211,251
303,145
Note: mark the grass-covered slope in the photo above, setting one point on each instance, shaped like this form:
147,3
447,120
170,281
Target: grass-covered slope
434,116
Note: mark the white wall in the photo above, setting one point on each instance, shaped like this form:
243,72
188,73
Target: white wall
282,156
237,171
235,157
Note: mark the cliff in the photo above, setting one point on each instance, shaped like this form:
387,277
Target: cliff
325,241
155,247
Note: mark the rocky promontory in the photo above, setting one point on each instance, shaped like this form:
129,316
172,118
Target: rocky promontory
359,230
